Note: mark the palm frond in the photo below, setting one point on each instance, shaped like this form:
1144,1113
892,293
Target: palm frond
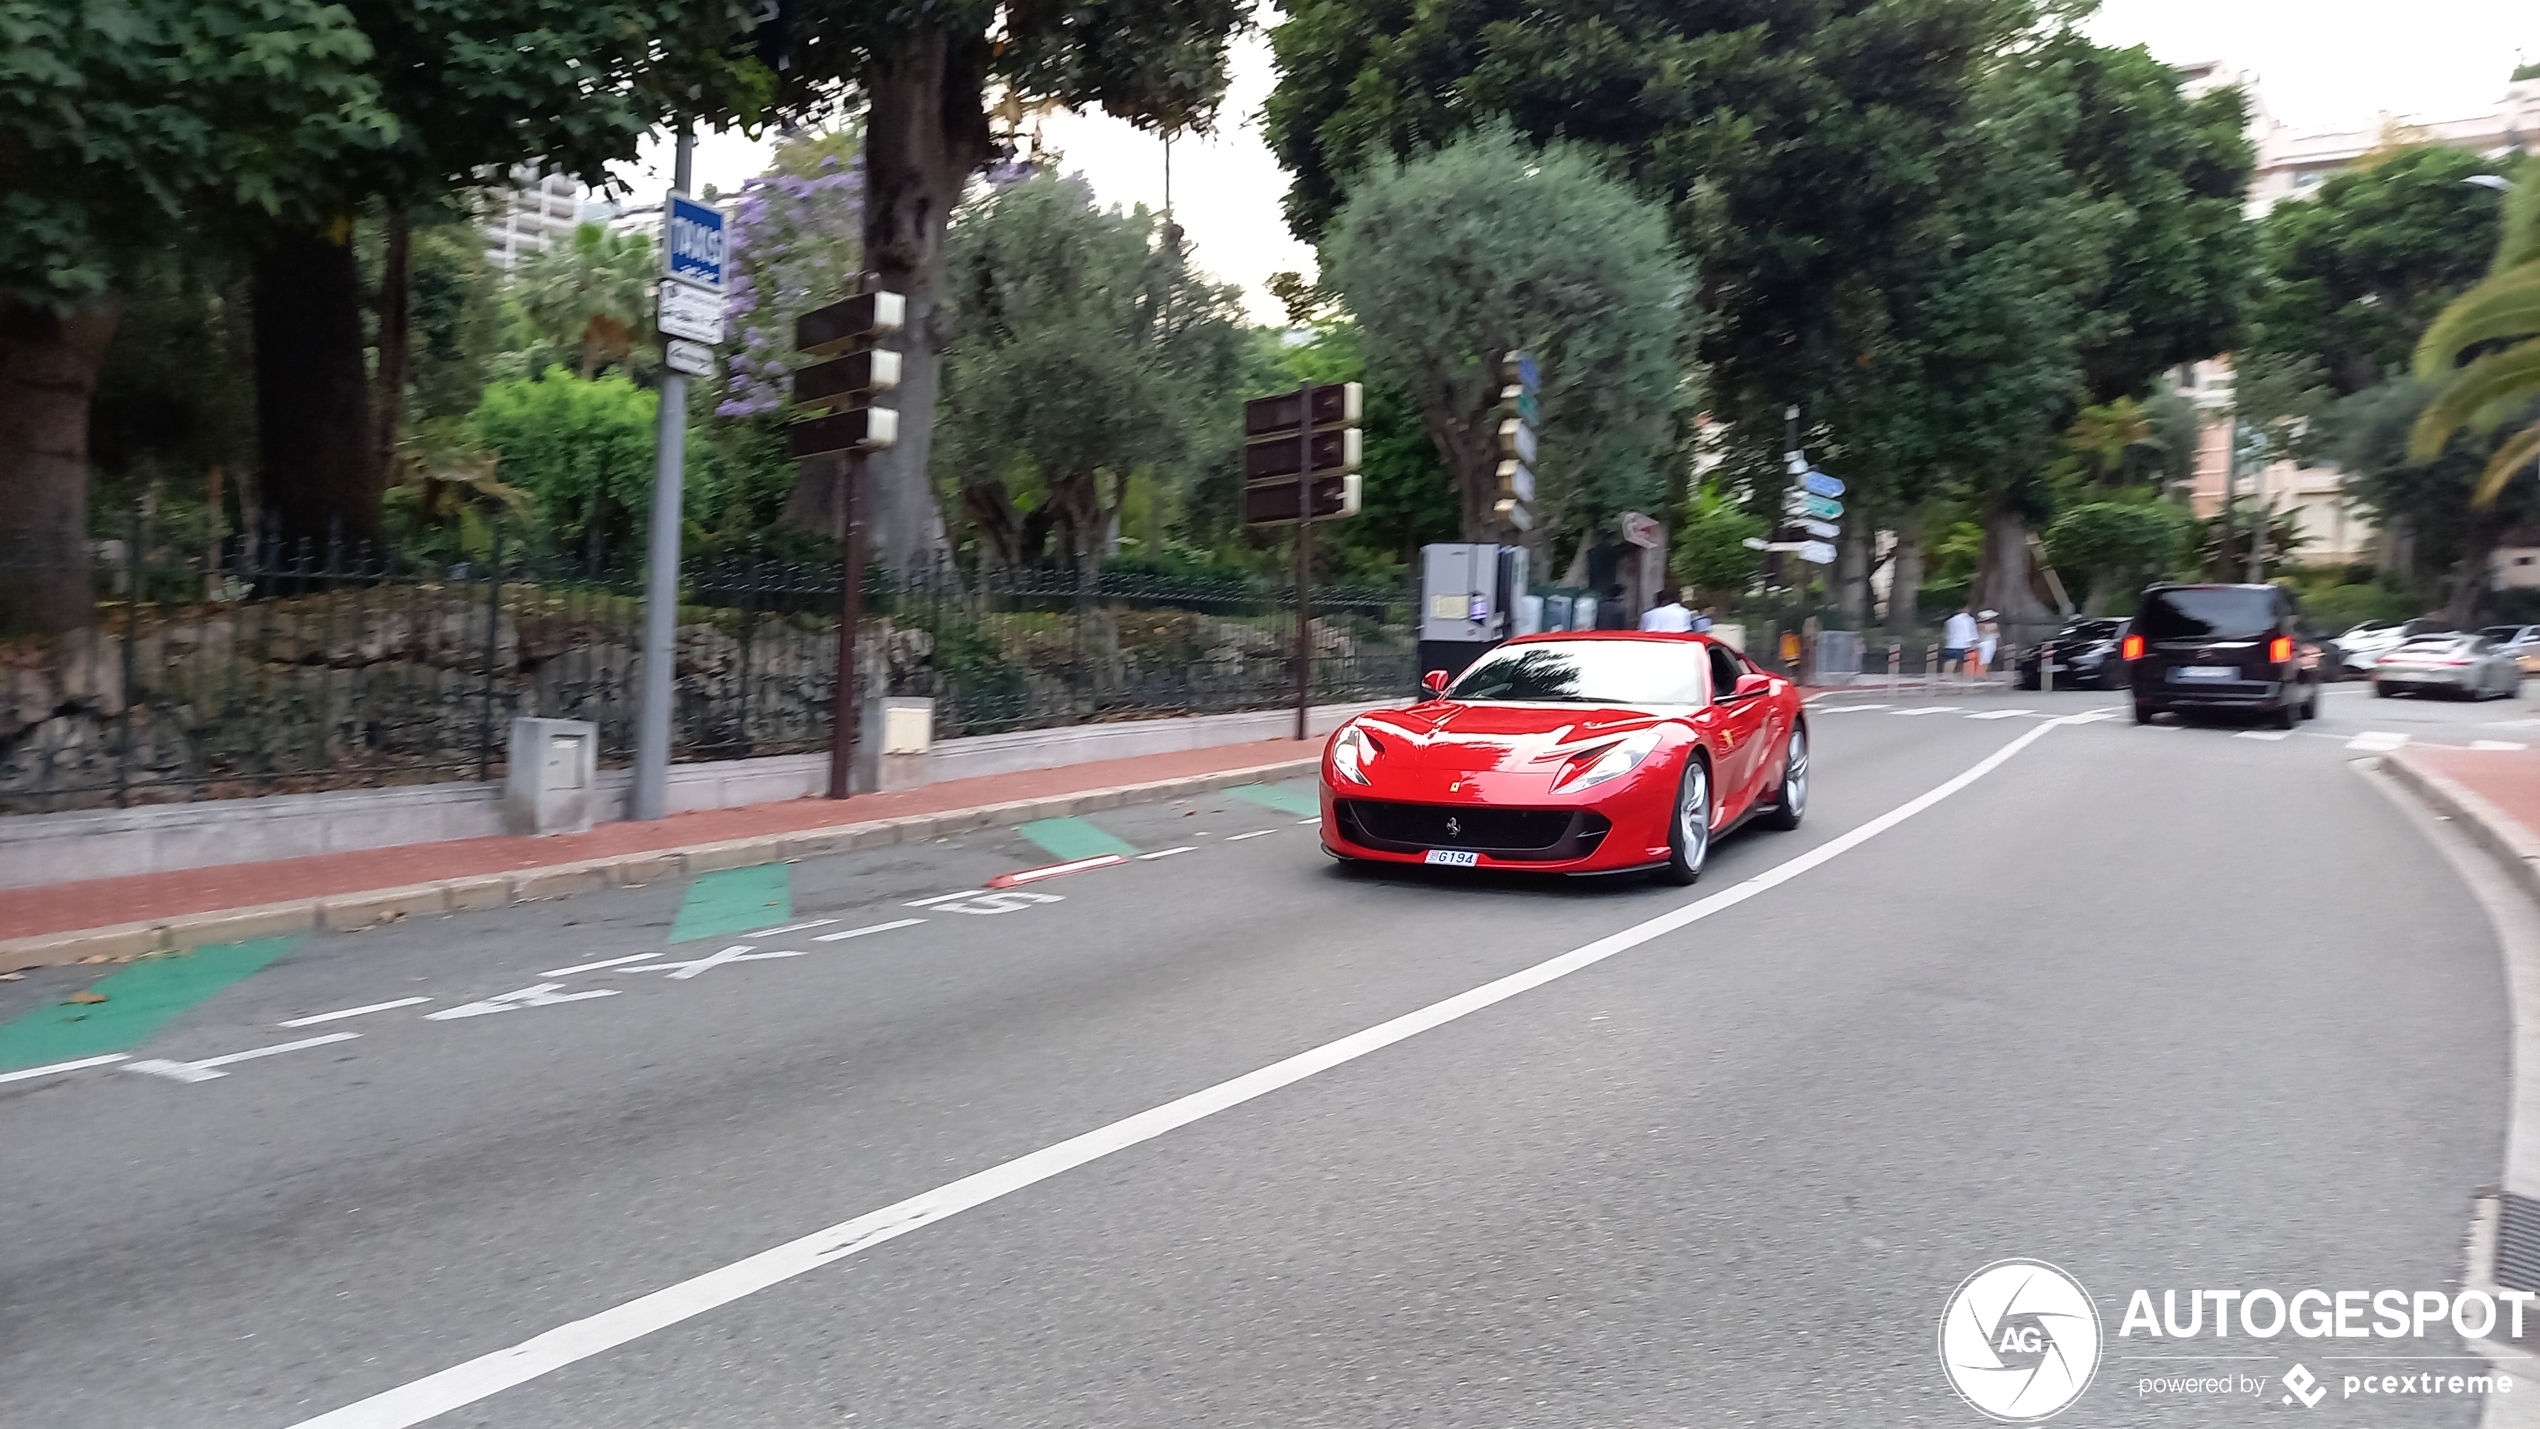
2489,385
2505,305
2523,447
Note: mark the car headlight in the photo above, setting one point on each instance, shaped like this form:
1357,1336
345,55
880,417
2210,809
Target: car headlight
1352,751
1612,761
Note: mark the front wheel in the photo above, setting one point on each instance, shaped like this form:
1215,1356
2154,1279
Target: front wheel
2142,712
1689,836
1791,805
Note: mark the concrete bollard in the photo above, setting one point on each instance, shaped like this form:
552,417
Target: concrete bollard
551,786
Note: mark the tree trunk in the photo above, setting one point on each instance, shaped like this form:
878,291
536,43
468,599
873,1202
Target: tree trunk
925,134
48,371
1905,578
396,328
1852,574
2103,588
2469,579
2003,578
321,478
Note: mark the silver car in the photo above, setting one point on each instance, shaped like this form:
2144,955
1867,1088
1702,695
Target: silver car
2466,666
2520,641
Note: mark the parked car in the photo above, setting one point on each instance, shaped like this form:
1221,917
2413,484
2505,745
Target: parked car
2369,640
2086,656
2460,665
2197,648
2520,641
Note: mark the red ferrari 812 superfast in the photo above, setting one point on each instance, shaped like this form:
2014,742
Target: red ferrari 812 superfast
1572,753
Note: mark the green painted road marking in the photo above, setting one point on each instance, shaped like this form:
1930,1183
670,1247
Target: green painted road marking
1071,839
139,1001
735,900
1287,798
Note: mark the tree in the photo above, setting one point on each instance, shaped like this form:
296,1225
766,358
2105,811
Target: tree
1088,352
2484,351
583,451
2116,542
2442,536
2356,274
925,73
133,136
1454,259
589,297
1711,557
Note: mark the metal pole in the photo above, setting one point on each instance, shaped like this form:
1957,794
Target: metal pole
661,570
1304,550
843,716
2231,480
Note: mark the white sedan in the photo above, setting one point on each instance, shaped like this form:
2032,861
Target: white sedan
2468,666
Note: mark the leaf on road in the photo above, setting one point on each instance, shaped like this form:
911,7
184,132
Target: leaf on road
88,997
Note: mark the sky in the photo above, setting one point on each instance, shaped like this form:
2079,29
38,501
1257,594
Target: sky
2316,64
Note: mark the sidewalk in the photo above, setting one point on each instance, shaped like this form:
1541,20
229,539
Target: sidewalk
2492,795
126,917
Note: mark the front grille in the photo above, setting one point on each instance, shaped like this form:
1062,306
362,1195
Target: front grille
1538,834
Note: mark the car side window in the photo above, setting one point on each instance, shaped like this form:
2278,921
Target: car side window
1724,672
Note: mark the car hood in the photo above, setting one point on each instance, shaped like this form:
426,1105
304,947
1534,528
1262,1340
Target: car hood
1451,738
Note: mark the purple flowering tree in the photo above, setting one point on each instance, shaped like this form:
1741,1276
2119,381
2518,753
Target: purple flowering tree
797,240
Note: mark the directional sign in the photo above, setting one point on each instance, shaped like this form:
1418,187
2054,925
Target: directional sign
856,428
841,380
825,332
1817,553
1273,503
695,359
1782,545
1516,514
690,312
1754,543
1523,400
1336,404
1821,484
1642,530
1334,451
1516,479
1800,503
1822,530
1517,440
1519,368
692,242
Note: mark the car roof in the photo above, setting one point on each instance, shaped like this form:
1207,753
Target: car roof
2209,585
1673,636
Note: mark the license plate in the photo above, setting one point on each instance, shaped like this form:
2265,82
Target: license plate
2204,672
1452,857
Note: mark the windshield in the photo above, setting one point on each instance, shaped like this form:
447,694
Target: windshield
2091,630
1604,672
2207,613
2502,634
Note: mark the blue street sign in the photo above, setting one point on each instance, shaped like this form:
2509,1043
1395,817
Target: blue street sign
1529,376
692,244
1822,484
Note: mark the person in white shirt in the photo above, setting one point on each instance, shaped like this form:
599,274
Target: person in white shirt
1958,640
1668,614
1988,639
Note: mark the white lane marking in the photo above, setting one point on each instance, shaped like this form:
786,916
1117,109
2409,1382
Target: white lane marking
2377,741
2094,716
1844,709
315,1018
543,995
1932,709
1255,834
1301,823
789,928
203,1071
1012,900
860,932
942,897
737,953
1999,714
2509,723
2264,734
1168,852
463,1384
1053,870
47,1071
595,967
2496,744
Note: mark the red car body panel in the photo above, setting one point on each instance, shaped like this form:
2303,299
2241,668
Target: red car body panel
1441,757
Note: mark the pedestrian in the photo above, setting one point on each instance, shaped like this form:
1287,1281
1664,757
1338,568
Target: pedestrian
1703,622
1957,639
1609,609
1988,639
1668,614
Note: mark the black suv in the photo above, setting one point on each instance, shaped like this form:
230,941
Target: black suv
2222,647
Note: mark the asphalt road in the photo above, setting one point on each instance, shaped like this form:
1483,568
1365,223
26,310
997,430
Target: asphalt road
2168,1007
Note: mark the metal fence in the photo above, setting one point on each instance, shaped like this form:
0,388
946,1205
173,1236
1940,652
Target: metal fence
297,669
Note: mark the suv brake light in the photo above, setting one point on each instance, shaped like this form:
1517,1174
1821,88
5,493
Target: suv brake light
2133,648
2280,649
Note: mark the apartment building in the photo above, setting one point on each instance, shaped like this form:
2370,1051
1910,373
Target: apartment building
531,214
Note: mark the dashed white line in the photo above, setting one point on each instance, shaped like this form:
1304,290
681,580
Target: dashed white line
1301,823
790,928
1845,709
46,1071
315,1018
470,1381
205,1070
1933,709
1997,714
2264,734
737,953
2376,741
943,898
1168,852
1255,834
595,967
860,932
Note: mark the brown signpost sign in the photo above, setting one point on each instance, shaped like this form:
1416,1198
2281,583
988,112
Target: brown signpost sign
1335,405
853,323
1273,503
1334,451
855,429
1301,462
841,380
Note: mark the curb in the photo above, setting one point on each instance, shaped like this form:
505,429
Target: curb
346,912
2486,825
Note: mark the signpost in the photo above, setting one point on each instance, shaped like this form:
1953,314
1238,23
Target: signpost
1521,408
690,312
687,358
1301,461
840,420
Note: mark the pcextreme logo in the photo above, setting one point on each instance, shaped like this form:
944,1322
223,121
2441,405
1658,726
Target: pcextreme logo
2019,1341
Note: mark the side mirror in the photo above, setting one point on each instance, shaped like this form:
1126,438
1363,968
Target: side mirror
1434,682
1749,686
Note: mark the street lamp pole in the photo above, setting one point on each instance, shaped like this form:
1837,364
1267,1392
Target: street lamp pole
651,795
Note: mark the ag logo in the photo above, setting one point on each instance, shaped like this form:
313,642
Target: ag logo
2020,1341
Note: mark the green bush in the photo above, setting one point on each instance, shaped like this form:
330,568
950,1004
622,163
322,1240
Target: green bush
2335,608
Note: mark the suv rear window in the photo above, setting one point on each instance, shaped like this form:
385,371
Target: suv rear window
2207,613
